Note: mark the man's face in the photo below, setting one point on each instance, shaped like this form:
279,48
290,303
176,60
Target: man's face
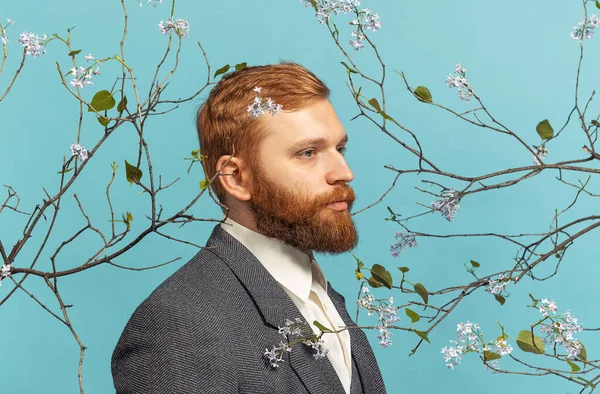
298,173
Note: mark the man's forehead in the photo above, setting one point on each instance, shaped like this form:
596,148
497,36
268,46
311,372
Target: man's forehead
317,123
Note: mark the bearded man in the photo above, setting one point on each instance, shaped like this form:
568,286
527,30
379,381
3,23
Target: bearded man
282,180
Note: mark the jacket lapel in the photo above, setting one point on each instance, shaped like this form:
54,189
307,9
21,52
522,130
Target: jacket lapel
359,344
275,306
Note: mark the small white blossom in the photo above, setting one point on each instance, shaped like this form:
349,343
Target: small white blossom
180,26
295,331
10,21
496,287
357,42
448,205
82,76
365,19
89,57
584,28
318,346
33,43
452,355
503,348
540,153
4,40
547,306
405,240
258,108
80,152
460,81
150,2
385,311
5,271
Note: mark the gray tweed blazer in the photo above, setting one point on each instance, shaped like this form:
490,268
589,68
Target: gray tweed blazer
205,330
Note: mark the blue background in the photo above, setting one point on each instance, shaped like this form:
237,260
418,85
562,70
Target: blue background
520,60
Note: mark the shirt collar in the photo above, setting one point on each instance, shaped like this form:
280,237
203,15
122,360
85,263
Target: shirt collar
291,267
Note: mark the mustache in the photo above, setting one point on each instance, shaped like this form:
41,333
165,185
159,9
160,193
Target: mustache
341,193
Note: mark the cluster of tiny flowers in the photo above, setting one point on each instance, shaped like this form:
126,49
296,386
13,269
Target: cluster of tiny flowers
470,340
295,331
327,7
258,108
502,347
496,287
386,313
33,43
150,2
561,330
4,39
460,81
584,28
84,75
448,205
540,153
547,307
405,240
4,271
180,26
80,152
365,19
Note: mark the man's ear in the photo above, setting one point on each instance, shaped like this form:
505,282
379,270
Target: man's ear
235,177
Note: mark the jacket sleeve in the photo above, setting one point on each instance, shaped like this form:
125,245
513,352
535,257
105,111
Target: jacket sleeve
168,348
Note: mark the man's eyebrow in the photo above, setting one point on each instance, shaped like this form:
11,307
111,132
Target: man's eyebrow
315,141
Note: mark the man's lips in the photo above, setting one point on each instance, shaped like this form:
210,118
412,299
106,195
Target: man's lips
340,205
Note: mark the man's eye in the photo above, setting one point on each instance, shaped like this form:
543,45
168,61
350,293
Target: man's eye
310,151
342,150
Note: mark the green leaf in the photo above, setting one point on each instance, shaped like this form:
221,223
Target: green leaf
490,356
65,171
422,335
359,275
350,69
574,367
475,264
413,315
240,66
382,275
103,121
375,104
423,94
420,290
204,184
321,327
122,104
597,4
314,4
374,283
222,70
595,123
545,130
583,353
403,269
592,385
530,343
535,302
132,173
500,299
360,263
102,101
73,53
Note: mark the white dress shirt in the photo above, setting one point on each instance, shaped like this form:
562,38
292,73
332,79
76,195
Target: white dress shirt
302,279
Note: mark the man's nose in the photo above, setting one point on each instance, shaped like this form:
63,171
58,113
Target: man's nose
339,172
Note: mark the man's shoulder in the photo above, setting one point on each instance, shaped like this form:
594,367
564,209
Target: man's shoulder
201,281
